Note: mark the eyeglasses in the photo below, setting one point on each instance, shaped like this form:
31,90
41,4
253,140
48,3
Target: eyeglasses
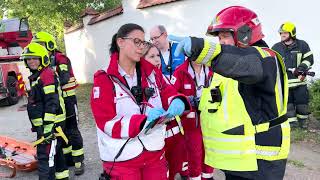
156,37
139,43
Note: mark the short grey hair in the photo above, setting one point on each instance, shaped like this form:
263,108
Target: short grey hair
162,29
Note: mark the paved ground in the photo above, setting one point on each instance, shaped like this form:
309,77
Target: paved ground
303,164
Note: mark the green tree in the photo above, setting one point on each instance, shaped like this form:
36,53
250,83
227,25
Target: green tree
50,15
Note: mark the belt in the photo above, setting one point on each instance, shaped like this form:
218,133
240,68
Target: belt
270,124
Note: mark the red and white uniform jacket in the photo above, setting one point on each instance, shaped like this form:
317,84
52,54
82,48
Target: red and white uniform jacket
62,65
188,83
118,117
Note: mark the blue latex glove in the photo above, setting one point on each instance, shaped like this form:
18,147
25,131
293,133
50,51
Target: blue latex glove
176,108
184,45
154,114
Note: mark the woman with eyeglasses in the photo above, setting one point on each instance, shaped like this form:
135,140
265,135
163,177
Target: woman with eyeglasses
191,78
127,102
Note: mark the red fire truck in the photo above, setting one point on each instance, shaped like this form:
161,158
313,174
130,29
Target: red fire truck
14,36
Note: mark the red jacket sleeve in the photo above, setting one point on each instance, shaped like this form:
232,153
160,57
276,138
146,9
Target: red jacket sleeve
104,110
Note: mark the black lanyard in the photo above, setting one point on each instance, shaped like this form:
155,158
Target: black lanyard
169,66
138,71
195,77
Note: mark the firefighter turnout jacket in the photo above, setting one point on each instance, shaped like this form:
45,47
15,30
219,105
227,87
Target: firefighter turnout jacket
243,112
296,55
45,104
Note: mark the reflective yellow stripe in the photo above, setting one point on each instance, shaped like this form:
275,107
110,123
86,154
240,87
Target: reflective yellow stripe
302,116
292,119
60,118
297,84
77,152
228,139
263,53
262,127
307,63
62,175
68,93
48,128
49,89
267,151
37,122
307,54
294,81
67,150
63,67
208,53
247,151
49,117
69,85
299,57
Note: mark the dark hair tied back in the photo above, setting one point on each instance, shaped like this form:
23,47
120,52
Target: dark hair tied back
123,31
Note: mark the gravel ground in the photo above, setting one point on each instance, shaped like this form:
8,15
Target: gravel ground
303,161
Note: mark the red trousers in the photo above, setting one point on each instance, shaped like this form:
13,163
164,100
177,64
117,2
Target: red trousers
176,154
195,151
147,166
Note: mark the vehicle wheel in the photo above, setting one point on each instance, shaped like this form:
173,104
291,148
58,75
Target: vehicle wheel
12,88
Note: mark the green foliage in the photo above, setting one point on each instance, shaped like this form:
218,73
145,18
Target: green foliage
315,98
49,16
296,163
302,135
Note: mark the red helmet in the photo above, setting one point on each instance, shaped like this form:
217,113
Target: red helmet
241,21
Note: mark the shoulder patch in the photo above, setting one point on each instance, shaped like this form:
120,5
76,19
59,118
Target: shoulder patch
96,92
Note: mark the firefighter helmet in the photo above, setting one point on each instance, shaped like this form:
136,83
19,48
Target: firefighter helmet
288,27
35,50
240,21
48,39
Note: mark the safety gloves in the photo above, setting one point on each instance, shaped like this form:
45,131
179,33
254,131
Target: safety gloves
197,49
176,108
153,115
184,45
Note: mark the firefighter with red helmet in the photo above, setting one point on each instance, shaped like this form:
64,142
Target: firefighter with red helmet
243,112
61,64
298,59
46,112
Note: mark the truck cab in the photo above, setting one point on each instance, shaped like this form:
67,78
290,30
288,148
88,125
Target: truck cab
14,36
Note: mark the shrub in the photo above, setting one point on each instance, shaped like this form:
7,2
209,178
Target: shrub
315,98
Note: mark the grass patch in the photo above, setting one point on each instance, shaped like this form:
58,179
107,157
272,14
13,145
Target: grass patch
83,93
302,135
296,163
83,98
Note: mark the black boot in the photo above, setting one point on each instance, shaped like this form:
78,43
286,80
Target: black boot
78,168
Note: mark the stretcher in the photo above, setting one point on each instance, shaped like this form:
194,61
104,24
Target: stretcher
16,156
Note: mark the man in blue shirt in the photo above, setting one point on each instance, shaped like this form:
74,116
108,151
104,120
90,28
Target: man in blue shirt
169,62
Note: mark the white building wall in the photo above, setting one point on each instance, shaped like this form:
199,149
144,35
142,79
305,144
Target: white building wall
88,48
